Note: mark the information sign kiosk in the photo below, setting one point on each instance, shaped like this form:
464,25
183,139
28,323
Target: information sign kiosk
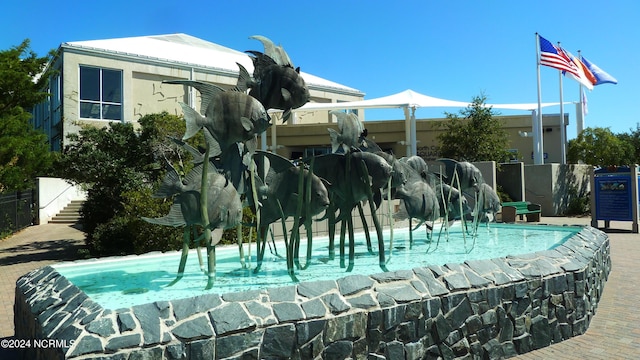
614,193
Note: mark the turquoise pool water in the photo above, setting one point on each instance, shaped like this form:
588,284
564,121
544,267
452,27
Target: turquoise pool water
132,280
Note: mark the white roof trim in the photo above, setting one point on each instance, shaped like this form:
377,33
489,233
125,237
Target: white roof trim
186,49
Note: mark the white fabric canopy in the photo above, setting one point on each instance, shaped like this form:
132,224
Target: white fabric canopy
407,98
410,99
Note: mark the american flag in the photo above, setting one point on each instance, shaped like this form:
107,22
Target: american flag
555,57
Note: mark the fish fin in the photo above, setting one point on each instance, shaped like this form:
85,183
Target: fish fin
286,115
276,162
334,139
277,53
195,175
269,47
286,94
207,91
244,79
419,224
251,146
340,118
175,217
451,166
193,120
214,145
246,123
260,63
216,236
171,183
195,153
377,198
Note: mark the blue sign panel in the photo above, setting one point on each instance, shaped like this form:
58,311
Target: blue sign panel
613,198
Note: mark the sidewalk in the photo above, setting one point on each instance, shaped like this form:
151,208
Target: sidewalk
29,249
613,332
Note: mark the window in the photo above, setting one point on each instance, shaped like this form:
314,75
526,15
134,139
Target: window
100,93
316,151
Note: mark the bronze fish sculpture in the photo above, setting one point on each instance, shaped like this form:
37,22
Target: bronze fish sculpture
398,172
350,187
349,134
468,175
449,199
418,201
229,116
489,203
223,201
284,190
276,83
419,165
280,184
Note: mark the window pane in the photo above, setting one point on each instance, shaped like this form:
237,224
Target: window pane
89,83
89,110
112,112
111,86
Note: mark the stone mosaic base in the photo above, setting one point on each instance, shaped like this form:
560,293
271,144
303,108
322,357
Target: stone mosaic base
480,309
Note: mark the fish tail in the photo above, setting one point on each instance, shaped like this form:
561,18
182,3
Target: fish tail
335,140
171,184
244,79
193,119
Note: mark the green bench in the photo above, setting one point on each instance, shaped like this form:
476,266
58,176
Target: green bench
520,208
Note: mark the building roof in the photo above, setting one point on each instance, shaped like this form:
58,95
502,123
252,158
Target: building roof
191,51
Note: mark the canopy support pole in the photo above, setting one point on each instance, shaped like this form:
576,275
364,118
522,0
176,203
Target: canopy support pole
407,130
414,140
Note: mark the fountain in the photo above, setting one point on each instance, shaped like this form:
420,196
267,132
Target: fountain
398,306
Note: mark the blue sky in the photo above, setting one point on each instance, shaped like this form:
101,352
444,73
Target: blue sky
448,49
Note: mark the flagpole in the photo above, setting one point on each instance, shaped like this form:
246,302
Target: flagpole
563,154
580,118
580,114
537,128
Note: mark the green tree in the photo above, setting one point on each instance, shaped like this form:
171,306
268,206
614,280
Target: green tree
632,138
120,166
474,134
24,152
599,146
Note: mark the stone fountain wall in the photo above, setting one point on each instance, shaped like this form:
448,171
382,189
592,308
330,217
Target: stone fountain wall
481,309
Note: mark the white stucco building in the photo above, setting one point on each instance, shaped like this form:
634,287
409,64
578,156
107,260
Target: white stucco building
98,81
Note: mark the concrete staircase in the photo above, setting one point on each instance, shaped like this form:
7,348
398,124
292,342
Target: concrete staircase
70,214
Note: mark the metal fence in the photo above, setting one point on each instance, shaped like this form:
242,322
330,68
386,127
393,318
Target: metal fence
16,211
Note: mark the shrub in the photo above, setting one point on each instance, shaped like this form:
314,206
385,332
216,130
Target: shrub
503,195
577,205
127,233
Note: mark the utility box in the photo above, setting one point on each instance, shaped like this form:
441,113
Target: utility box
615,195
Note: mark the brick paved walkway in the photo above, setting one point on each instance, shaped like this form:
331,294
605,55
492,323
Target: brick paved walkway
29,249
613,333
